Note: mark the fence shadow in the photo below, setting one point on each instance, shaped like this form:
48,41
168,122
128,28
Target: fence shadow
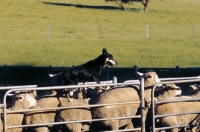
84,6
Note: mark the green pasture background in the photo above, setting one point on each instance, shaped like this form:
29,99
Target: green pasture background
72,32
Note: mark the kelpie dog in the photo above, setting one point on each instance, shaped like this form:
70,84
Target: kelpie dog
88,70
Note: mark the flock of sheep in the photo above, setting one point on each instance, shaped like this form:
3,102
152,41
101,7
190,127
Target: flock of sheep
87,97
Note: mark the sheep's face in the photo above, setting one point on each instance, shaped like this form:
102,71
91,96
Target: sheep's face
193,89
25,99
150,78
171,90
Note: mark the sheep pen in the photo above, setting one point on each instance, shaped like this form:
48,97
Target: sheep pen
167,91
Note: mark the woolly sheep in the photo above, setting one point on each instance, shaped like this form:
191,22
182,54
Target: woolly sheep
73,114
167,91
120,95
79,113
193,90
179,108
20,101
50,100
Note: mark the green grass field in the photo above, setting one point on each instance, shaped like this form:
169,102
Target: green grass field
71,32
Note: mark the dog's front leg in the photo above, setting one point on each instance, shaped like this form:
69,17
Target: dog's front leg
96,78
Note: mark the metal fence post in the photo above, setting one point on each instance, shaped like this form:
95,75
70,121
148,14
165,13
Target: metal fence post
192,30
49,33
6,75
99,31
23,74
142,106
50,71
135,72
147,31
178,71
114,80
107,74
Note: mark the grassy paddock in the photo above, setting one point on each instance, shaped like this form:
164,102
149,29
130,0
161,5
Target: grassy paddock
66,33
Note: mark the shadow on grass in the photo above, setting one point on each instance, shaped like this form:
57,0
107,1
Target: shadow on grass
91,7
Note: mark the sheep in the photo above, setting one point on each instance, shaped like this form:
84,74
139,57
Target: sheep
50,100
167,91
178,108
79,113
120,95
73,114
194,90
20,101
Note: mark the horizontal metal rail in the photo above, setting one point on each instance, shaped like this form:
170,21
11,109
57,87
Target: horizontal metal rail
179,78
159,116
165,79
35,86
184,99
14,87
125,130
68,122
72,107
164,128
69,87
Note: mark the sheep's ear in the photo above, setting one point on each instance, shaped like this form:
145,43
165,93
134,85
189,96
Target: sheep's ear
33,92
193,87
140,74
144,75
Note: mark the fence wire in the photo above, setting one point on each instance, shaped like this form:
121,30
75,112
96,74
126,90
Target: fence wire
96,32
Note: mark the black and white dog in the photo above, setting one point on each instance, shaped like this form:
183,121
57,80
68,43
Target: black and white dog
88,70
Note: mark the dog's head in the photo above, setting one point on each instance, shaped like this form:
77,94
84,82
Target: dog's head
109,58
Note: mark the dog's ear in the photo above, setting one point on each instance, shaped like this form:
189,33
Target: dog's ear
104,51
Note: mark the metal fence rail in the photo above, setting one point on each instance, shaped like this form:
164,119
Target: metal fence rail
72,32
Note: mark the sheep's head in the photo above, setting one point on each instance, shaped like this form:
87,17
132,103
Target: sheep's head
194,89
150,78
24,100
169,90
